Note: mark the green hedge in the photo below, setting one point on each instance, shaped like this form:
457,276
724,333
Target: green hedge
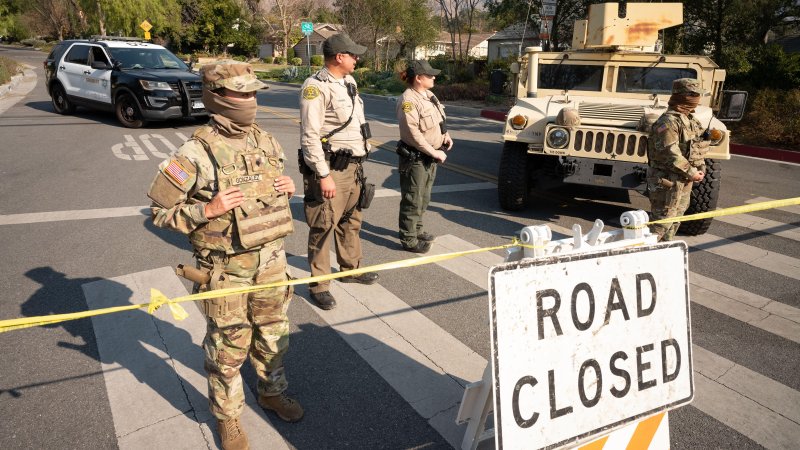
772,119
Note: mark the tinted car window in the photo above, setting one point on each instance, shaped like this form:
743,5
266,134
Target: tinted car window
650,79
569,77
99,55
146,58
57,50
78,54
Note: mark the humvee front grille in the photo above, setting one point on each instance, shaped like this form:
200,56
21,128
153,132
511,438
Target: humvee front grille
610,111
609,142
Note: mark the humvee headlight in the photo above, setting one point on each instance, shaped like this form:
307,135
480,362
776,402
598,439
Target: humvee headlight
518,122
715,136
557,138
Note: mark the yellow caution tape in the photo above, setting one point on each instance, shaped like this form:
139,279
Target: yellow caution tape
730,211
158,299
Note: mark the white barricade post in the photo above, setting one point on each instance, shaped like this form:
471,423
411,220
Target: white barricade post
590,335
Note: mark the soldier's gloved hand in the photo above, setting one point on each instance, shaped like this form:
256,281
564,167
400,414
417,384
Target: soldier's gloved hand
328,187
223,202
284,184
439,156
698,176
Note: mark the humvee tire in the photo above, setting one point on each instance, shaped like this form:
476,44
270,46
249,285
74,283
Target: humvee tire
513,189
704,198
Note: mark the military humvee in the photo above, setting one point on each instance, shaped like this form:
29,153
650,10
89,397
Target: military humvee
583,116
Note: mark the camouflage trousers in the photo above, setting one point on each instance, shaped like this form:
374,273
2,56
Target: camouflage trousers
669,197
253,324
416,183
325,224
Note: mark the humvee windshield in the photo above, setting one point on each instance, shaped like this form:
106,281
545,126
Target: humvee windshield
629,79
650,79
571,77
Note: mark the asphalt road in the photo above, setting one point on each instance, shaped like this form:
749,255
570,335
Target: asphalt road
72,189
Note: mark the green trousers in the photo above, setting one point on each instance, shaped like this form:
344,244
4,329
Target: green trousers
416,182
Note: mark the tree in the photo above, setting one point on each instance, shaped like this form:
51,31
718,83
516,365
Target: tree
416,28
288,14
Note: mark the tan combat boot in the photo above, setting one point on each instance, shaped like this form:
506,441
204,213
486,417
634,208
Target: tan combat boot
232,435
286,408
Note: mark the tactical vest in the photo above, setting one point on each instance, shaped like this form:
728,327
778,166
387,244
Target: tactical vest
691,142
265,215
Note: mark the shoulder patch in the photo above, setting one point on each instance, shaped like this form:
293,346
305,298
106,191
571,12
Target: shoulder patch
407,106
662,128
176,171
310,92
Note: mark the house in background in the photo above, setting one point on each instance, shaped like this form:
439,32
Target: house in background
313,42
506,42
444,46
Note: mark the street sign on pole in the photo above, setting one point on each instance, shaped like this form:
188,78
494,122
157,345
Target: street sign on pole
548,10
307,28
146,27
583,344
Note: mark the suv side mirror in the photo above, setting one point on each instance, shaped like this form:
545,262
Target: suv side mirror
732,106
100,65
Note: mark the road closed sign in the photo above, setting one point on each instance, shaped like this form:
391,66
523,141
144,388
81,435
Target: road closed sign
585,343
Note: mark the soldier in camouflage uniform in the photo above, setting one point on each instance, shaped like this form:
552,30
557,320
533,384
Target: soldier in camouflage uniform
334,147
675,152
423,142
225,189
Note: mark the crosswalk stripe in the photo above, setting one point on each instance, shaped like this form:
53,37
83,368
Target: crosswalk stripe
153,370
756,223
748,254
792,208
736,384
426,365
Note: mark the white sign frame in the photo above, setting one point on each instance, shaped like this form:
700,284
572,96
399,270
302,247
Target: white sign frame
548,10
512,290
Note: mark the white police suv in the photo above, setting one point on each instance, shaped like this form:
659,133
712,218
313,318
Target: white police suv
137,80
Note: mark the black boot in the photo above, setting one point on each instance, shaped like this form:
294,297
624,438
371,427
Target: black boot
324,300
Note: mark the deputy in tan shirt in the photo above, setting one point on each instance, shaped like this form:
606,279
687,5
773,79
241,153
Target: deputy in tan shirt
333,146
423,142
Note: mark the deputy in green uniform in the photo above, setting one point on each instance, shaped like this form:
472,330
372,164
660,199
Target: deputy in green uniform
676,150
334,146
226,190
423,142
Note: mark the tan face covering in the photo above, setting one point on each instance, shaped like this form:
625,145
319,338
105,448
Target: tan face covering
684,103
233,117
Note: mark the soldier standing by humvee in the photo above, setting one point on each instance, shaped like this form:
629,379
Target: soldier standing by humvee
334,146
675,153
423,142
225,189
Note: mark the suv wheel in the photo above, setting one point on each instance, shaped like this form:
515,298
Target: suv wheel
61,103
128,112
704,198
513,180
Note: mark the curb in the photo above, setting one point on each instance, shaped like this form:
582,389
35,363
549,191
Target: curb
774,154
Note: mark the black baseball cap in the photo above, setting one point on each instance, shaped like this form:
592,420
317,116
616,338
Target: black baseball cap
341,43
422,67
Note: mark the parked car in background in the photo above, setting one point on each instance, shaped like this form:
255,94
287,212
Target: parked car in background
137,80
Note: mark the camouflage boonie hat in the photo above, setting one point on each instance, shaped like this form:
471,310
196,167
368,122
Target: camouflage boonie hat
687,86
232,75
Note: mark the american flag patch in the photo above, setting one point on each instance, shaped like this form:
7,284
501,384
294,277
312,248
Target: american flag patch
176,172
